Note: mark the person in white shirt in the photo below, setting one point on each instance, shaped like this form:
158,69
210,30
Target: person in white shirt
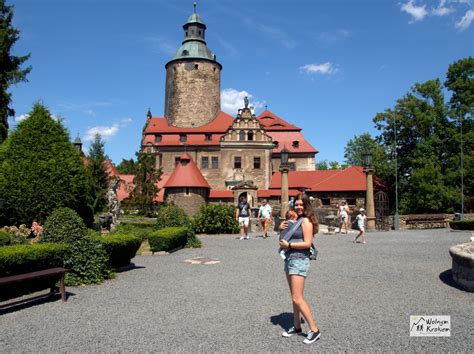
265,216
343,215
361,219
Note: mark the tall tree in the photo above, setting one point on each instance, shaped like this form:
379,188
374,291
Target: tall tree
144,193
97,168
127,167
422,130
11,72
40,171
460,82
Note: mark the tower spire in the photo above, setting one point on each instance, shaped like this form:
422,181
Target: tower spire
194,5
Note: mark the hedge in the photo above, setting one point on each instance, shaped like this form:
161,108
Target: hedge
168,239
18,259
462,225
135,229
120,248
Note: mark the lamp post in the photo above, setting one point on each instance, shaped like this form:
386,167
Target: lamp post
284,168
369,197
461,217
396,218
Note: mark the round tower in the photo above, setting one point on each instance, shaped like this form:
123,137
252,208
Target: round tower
193,79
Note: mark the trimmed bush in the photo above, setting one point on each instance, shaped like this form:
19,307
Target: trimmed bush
171,216
135,229
63,225
88,262
120,248
215,219
18,259
5,238
168,239
192,240
462,225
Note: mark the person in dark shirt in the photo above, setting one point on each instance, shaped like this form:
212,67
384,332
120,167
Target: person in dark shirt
242,216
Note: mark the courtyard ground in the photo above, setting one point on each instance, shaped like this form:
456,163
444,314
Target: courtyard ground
361,296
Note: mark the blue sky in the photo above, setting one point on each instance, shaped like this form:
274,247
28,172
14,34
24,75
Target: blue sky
326,66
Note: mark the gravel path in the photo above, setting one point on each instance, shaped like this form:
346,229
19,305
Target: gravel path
361,296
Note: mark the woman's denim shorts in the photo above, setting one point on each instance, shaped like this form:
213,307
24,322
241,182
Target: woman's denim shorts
297,266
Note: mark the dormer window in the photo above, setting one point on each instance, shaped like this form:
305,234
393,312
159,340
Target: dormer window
208,137
183,138
296,144
275,144
157,138
184,53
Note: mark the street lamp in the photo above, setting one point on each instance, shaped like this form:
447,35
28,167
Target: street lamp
284,168
369,196
396,217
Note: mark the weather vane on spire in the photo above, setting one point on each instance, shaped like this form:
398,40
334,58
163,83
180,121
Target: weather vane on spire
195,4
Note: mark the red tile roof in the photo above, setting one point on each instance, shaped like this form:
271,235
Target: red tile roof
286,139
221,194
159,125
191,139
186,174
350,179
267,193
125,188
271,122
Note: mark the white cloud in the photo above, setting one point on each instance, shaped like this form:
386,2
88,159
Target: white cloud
233,100
159,45
21,118
90,112
324,68
107,132
466,21
417,12
442,10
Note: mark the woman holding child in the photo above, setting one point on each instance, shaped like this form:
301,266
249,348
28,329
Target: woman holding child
297,265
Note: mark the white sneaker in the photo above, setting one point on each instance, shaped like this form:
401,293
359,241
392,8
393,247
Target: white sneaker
241,238
247,237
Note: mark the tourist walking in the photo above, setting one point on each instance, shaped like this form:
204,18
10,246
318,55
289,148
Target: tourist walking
242,216
297,267
265,216
361,219
343,215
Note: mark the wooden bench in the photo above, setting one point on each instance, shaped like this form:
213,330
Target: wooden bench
426,221
51,274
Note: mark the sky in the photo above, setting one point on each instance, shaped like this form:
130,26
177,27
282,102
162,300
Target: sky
327,66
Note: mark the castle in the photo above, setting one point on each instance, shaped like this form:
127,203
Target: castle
207,155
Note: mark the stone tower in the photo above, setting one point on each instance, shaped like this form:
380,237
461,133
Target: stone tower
193,79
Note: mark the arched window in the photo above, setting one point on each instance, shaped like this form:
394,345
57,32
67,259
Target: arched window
250,136
242,135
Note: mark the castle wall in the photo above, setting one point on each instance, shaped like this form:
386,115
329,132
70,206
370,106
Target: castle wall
190,202
192,96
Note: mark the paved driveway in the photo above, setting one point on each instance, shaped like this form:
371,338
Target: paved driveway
361,296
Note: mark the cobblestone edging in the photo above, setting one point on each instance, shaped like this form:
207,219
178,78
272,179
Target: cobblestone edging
463,265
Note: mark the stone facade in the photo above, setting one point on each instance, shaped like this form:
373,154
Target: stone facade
192,97
189,199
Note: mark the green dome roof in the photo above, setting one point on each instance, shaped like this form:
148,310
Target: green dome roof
195,18
194,49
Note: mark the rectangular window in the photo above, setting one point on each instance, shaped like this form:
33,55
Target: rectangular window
182,138
208,137
176,161
326,201
292,166
256,162
215,162
187,190
204,162
237,162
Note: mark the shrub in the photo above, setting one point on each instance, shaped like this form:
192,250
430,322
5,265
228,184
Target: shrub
41,170
5,238
88,263
18,235
462,225
141,231
215,219
171,216
192,240
18,259
63,225
168,238
120,248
